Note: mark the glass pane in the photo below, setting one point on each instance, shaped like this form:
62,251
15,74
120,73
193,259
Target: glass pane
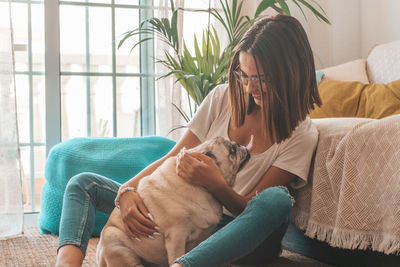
101,102
198,4
20,27
26,177
127,60
165,4
160,47
72,38
4,21
128,106
167,116
92,1
40,161
75,44
37,37
100,41
22,88
192,26
39,108
73,107
128,2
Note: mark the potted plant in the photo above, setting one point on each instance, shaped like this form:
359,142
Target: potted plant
208,67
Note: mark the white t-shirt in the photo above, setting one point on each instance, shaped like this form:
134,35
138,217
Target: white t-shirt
293,154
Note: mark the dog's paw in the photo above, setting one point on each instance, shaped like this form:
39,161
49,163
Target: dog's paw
183,150
181,153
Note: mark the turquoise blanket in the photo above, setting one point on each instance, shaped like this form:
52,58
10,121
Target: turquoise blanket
116,158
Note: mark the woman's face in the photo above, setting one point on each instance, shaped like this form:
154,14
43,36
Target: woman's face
247,73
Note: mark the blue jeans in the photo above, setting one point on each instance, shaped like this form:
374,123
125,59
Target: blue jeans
234,238
264,219
85,194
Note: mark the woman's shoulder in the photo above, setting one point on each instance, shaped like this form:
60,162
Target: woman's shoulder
217,98
307,126
306,132
220,91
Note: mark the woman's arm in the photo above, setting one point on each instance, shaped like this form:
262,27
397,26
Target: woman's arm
199,169
236,203
188,140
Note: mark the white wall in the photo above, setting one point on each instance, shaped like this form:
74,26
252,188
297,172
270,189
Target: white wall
381,23
357,25
339,42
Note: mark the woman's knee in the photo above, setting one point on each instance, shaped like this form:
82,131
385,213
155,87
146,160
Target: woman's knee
273,199
80,181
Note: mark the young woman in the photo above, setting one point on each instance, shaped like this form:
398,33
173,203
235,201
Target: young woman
272,87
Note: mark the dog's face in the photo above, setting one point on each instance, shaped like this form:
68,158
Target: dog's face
228,155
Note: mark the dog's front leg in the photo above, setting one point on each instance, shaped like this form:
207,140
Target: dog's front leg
175,243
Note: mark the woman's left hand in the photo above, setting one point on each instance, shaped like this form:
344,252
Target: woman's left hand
199,169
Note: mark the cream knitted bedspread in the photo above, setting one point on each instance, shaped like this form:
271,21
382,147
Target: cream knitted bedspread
352,199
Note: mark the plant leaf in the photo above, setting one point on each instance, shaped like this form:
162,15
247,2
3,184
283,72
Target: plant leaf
188,62
301,9
320,7
178,127
263,6
316,12
174,29
183,113
284,7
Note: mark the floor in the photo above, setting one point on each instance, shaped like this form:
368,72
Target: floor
290,259
34,249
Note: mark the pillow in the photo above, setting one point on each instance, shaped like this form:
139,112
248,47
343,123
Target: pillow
116,158
351,71
383,63
355,99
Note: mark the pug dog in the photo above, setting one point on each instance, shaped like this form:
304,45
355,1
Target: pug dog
186,214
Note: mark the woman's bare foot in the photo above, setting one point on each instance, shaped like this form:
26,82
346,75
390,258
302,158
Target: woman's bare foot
176,265
69,256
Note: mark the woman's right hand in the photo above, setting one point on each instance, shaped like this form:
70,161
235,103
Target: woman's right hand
136,218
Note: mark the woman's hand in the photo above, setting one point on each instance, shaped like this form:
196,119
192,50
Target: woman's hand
137,219
199,169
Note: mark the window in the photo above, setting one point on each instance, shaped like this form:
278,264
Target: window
28,26
73,81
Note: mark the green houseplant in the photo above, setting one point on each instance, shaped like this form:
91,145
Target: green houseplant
208,67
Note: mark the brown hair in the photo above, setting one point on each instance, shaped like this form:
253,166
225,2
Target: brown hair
281,49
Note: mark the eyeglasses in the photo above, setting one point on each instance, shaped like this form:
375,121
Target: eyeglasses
243,79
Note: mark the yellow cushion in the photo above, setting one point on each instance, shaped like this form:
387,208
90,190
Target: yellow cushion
355,99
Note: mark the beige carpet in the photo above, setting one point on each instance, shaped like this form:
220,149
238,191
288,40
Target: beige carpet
34,249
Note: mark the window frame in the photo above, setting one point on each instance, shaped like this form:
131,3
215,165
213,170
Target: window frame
53,73
52,77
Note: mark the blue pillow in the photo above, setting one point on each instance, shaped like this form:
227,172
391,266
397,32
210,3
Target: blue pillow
319,74
116,158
